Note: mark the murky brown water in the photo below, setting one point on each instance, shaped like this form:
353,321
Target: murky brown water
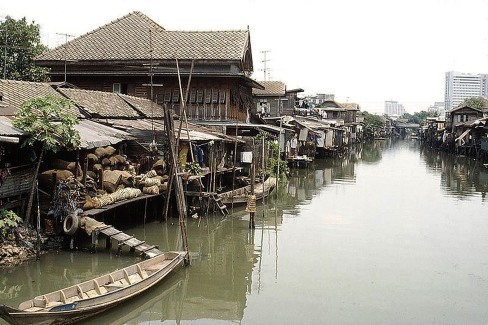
390,235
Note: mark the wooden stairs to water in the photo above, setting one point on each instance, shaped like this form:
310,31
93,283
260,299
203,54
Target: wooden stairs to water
218,202
124,239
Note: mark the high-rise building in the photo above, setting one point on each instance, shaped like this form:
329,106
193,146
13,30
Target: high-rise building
393,108
460,86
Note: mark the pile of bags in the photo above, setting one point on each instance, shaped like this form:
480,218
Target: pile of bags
120,178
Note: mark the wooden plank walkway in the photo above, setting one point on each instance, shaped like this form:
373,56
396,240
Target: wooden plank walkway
124,239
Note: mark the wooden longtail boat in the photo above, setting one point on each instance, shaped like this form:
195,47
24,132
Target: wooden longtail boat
261,190
91,297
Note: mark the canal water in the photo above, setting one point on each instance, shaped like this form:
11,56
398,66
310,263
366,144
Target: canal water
390,234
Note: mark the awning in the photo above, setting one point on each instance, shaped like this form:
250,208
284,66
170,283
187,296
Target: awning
94,135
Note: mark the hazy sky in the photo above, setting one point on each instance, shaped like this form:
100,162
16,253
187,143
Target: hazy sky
363,51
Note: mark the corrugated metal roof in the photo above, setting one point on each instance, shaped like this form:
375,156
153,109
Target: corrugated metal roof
7,129
93,134
197,132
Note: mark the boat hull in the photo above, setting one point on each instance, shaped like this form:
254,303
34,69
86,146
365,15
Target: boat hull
239,196
76,311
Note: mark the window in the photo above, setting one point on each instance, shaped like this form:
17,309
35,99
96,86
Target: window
117,88
222,96
208,96
199,96
215,96
193,95
176,96
167,96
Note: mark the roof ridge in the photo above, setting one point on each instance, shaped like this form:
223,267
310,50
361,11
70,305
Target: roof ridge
207,31
133,13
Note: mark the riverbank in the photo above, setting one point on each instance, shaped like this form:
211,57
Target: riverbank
20,246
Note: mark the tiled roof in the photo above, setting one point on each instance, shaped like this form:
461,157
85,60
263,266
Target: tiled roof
15,93
271,88
99,103
145,106
350,106
130,38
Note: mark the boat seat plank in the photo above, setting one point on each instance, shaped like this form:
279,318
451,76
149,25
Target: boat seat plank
92,293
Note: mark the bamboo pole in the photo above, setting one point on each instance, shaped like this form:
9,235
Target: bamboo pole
252,224
183,106
38,223
234,170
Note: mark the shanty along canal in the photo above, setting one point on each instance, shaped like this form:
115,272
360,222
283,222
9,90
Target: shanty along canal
390,234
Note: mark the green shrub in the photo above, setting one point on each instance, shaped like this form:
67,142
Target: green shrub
8,220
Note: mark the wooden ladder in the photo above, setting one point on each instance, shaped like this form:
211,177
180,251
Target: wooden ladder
218,202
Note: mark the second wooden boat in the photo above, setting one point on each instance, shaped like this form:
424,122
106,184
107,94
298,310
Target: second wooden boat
91,297
239,195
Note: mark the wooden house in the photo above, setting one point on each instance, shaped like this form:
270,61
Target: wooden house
134,55
274,99
458,116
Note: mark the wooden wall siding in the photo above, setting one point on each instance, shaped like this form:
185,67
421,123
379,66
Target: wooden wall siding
208,98
18,182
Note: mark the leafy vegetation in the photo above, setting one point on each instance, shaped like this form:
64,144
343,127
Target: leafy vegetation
372,125
21,43
476,102
8,221
418,117
50,121
273,161
193,168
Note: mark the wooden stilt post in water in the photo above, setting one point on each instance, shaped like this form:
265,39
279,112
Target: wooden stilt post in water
168,192
179,194
251,200
234,170
38,228
263,170
279,155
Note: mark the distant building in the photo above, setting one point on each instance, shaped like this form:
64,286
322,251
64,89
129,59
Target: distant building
275,100
460,86
438,108
394,108
318,99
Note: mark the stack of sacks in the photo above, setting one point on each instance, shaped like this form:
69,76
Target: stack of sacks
106,199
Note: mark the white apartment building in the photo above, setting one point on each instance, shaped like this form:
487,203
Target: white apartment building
460,86
394,108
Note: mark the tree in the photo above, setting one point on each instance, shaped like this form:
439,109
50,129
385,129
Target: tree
419,117
50,121
476,102
372,123
20,43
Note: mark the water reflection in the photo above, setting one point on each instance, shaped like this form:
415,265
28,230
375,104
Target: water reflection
461,177
358,241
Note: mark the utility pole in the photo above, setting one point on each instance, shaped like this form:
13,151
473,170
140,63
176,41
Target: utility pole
65,50
265,68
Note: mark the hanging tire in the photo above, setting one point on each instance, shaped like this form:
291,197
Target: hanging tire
71,224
